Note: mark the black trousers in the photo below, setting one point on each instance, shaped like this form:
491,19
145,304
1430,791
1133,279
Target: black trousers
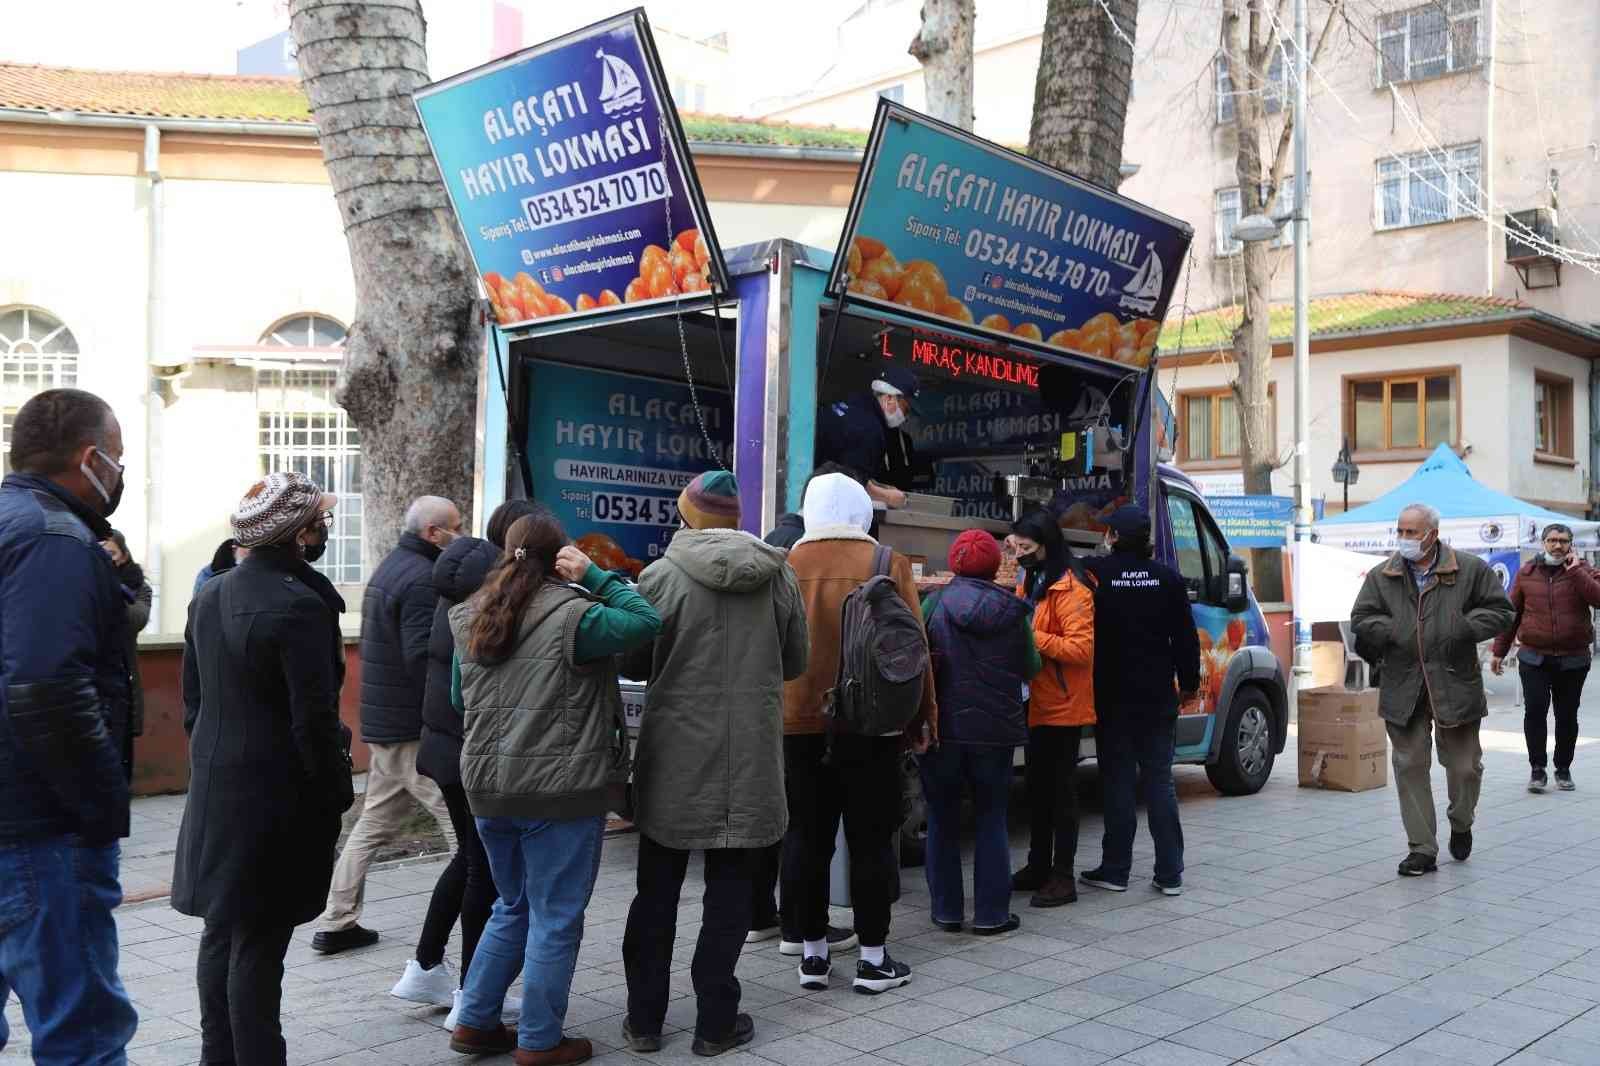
240,976
1052,787
1542,685
465,889
860,784
653,926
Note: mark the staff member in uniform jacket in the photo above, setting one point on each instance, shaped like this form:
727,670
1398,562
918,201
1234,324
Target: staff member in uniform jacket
1553,596
1422,615
263,663
1144,641
64,675
855,433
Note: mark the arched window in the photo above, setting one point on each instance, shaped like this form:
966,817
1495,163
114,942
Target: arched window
37,352
302,428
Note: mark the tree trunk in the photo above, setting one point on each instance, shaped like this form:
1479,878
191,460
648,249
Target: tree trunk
944,48
409,379
1080,100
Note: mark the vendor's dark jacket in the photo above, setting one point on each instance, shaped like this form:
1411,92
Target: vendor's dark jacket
396,621
1428,640
1553,610
853,434
63,669
1146,647
459,572
263,664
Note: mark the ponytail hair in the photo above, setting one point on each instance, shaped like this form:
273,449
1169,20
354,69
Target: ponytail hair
527,563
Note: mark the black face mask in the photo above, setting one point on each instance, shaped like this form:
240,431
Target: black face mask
1031,562
317,548
109,501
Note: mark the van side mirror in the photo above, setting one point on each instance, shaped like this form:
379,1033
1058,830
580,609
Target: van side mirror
1237,597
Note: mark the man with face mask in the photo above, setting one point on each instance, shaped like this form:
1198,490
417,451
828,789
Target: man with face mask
862,434
1423,615
396,621
1554,596
63,718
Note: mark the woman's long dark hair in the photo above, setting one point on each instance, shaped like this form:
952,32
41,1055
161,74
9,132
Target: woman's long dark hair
506,515
222,559
511,585
1040,527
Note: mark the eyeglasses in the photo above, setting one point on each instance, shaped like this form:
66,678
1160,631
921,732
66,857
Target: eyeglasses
112,462
1558,540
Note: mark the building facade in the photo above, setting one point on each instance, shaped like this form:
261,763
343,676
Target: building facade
174,246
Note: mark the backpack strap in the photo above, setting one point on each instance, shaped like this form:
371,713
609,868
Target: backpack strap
883,561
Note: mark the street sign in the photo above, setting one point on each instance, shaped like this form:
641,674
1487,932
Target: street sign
570,177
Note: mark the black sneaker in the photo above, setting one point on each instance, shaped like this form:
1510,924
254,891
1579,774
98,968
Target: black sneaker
1098,878
1416,864
640,1043
334,941
838,940
1538,782
1010,925
871,980
744,1031
1167,888
814,973
1461,845
1029,879
948,927
1564,781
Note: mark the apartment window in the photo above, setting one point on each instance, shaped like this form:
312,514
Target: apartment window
1209,425
1428,187
1274,93
1415,410
1552,416
896,93
306,331
37,352
1428,41
1228,214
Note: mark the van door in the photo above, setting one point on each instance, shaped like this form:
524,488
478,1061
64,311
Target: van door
1201,557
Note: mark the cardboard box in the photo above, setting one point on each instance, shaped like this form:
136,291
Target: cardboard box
1344,745
1327,664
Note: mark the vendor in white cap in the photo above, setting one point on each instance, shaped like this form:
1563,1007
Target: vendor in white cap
857,433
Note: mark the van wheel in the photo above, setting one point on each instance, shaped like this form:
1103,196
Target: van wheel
1244,761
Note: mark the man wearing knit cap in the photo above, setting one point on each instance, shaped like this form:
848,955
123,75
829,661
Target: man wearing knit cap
263,664
708,773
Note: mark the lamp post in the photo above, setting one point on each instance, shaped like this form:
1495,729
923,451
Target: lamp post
1345,471
1259,227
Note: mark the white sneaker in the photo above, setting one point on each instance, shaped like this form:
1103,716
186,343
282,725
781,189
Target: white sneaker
433,987
509,1015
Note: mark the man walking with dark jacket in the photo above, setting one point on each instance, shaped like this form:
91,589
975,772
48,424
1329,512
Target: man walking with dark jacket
1146,664
1423,615
63,716
396,619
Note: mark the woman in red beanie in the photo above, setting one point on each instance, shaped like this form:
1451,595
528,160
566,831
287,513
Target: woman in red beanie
983,656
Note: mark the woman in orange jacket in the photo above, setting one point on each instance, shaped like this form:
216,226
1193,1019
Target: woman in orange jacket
1061,703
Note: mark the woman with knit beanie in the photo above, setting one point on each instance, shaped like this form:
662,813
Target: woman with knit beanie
981,638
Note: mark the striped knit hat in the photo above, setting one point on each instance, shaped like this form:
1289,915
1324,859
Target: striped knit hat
711,501
276,508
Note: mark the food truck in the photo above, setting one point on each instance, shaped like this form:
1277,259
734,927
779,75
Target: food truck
634,352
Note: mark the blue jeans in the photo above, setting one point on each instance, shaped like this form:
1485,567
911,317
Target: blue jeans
58,949
1131,753
987,771
544,871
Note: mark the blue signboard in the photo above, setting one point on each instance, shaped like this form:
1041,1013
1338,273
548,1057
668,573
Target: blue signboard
610,453
569,176
1252,521
951,227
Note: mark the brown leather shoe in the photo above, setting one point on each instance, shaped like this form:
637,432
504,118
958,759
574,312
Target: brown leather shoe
1058,891
466,1040
570,1050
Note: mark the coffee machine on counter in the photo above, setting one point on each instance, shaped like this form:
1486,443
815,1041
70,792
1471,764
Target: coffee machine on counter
1049,466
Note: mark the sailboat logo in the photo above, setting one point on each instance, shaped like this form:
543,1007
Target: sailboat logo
1143,291
620,89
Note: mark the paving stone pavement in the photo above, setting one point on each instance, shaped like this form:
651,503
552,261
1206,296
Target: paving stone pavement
1294,942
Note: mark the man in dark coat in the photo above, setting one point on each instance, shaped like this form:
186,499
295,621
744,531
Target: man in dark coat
396,620
269,761
1146,663
856,433
63,716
